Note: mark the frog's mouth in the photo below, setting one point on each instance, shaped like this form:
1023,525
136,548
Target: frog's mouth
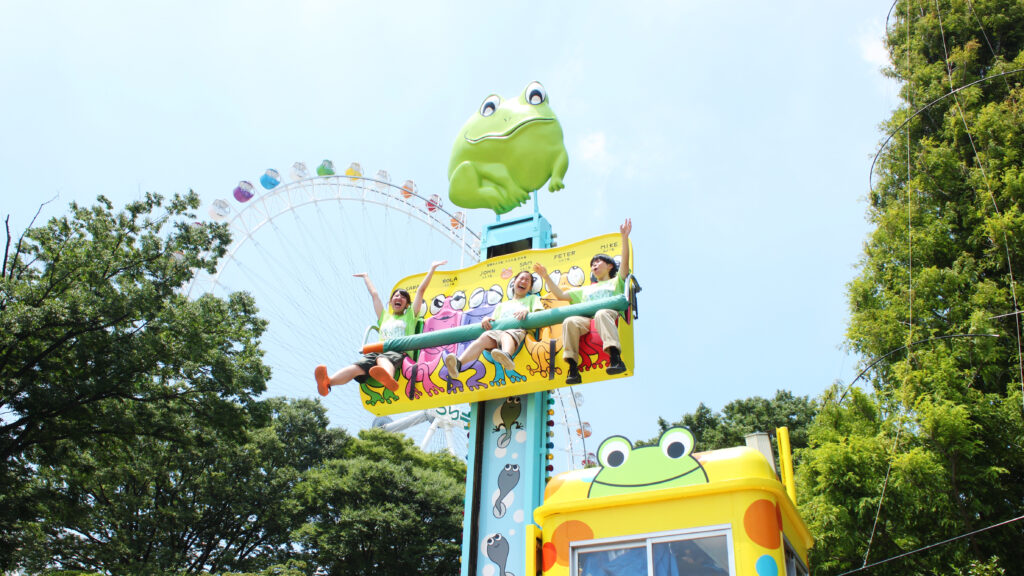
654,483
512,130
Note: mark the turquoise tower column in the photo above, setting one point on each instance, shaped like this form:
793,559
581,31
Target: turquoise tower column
508,445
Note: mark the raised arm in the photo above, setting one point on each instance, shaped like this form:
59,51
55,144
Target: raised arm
624,230
417,302
378,306
552,287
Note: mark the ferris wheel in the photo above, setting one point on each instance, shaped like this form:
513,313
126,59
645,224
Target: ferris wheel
295,246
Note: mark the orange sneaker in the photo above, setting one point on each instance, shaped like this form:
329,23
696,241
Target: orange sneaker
323,381
381,375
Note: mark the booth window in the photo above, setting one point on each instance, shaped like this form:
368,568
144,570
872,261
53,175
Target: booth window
703,553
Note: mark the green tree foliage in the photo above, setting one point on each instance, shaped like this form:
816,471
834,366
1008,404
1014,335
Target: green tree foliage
97,342
203,501
384,508
941,431
713,430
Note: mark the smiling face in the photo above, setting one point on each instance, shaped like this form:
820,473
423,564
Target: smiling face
522,284
399,301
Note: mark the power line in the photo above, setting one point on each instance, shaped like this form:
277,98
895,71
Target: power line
930,546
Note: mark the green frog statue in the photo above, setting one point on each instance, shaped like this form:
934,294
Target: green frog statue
506,150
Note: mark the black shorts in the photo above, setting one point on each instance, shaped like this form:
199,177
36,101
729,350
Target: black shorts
370,360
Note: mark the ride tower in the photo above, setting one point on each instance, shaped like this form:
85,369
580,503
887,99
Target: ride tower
501,482
507,151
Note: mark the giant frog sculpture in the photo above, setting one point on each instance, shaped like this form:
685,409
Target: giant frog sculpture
506,150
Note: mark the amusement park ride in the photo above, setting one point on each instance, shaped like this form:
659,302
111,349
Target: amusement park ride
658,510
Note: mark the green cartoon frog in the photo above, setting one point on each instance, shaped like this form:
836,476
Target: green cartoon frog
626,470
506,150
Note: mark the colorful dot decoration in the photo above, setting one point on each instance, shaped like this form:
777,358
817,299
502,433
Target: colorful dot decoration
557,550
762,523
766,566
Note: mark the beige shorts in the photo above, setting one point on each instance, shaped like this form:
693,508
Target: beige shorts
517,334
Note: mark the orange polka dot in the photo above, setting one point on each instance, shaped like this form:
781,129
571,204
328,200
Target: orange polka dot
548,554
568,531
761,522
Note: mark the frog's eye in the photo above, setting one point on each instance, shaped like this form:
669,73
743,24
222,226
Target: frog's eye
576,276
514,467
556,275
459,300
514,400
535,93
476,298
537,284
494,295
490,105
614,452
436,304
676,443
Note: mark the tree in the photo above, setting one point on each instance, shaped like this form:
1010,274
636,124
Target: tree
203,501
100,349
940,433
712,430
385,508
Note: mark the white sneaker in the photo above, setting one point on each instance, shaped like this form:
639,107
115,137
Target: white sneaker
452,363
502,358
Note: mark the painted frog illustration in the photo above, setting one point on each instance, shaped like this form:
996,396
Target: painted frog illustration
446,313
376,393
625,470
481,304
506,150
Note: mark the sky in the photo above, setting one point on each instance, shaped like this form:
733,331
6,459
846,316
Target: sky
737,135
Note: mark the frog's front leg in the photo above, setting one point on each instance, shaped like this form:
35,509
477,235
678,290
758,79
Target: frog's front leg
558,170
479,185
514,376
497,176
374,397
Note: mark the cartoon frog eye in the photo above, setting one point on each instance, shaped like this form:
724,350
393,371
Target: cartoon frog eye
514,467
477,298
535,93
459,300
576,276
494,295
556,275
436,304
614,452
676,443
514,400
537,284
490,105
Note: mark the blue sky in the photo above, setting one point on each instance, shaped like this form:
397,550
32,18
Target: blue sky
737,135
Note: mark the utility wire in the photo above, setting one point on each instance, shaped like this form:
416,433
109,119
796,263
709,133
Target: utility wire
930,546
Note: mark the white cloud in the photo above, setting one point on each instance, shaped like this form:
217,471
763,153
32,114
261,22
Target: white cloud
594,148
872,46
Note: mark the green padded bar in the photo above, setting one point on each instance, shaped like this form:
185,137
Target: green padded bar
473,331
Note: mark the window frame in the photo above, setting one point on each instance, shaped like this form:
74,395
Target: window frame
648,540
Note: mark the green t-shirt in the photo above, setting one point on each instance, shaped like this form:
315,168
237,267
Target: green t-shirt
597,290
392,326
508,308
